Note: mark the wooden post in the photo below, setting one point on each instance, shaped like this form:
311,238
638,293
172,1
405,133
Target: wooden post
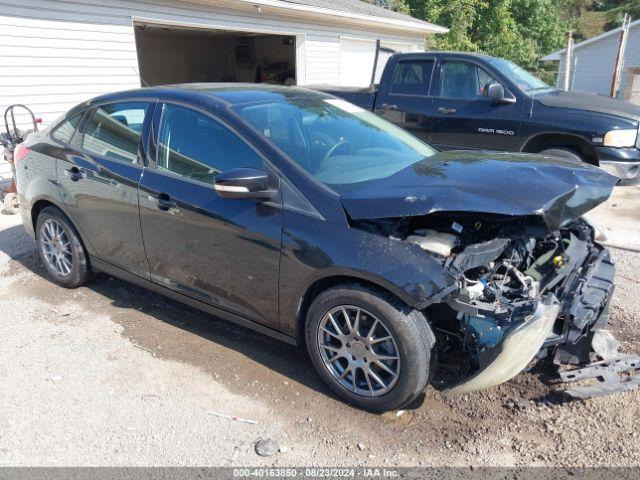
624,33
568,59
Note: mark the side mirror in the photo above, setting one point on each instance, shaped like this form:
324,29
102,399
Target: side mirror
495,91
243,183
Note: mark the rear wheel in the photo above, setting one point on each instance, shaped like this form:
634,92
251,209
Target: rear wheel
370,349
61,249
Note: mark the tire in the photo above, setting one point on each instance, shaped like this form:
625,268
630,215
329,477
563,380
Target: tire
56,235
562,153
412,342
10,206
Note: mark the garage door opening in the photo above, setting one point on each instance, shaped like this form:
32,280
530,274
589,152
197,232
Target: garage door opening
169,55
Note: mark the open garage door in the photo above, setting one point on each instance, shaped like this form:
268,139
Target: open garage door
168,55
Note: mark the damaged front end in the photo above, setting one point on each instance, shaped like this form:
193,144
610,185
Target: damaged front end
522,291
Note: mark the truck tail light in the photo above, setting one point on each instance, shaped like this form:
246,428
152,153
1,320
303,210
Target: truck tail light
20,152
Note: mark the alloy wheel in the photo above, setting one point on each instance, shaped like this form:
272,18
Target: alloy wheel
56,247
358,350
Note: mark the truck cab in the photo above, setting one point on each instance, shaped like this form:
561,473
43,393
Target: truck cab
469,101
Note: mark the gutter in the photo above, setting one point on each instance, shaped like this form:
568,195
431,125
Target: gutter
284,7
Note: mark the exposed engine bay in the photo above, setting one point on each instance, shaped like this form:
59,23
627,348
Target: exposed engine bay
521,291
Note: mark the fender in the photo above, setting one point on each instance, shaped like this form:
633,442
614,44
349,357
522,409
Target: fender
403,269
29,223
543,140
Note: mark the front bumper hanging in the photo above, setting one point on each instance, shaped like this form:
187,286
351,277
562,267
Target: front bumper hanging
519,347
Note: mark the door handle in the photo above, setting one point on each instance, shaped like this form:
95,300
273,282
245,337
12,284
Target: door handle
446,111
390,106
75,174
165,203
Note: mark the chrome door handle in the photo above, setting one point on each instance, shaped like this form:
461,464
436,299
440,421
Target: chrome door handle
446,111
388,106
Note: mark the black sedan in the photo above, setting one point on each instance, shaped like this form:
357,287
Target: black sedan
309,219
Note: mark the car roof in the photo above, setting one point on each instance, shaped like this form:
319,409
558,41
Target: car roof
440,53
223,94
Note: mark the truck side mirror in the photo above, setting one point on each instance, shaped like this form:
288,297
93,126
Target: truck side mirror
495,91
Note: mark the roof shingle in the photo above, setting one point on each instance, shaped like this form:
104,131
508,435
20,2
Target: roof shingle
364,8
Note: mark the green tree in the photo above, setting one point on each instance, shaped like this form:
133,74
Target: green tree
395,5
519,30
588,18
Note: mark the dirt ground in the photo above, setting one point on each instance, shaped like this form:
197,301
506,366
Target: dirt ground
110,374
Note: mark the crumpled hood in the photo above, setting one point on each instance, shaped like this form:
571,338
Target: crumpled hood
590,102
517,184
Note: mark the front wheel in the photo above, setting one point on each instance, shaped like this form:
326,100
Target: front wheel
61,249
562,153
370,349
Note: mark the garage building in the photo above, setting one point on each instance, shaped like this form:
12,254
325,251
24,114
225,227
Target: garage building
57,53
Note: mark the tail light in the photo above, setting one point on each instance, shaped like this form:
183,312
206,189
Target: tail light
20,152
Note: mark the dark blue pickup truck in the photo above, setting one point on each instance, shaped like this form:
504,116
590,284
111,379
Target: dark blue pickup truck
470,101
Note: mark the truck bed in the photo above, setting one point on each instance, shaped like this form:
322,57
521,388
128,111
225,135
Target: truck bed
360,96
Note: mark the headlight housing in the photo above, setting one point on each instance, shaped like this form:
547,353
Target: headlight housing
620,138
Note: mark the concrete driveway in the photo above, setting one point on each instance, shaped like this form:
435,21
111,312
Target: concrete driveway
110,374
619,218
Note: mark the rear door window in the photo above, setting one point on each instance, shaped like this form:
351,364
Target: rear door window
63,133
196,146
113,131
411,77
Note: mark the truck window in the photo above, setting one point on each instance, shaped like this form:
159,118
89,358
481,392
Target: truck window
411,77
463,80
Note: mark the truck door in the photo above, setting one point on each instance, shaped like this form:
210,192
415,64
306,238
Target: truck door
464,118
404,95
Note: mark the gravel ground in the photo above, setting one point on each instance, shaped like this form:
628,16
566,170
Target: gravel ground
110,374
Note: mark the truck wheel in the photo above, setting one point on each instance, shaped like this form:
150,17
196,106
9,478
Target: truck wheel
371,350
61,249
10,204
562,153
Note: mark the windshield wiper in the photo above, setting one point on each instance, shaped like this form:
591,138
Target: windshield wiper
547,87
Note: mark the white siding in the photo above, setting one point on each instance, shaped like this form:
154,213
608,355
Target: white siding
56,53
595,61
52,65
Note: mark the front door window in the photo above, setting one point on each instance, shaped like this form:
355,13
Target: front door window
194,145
464,81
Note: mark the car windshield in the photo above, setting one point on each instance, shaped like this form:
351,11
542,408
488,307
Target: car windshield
525,81
335,141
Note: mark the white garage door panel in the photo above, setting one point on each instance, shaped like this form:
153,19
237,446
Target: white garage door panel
357,57
356,62
58,64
